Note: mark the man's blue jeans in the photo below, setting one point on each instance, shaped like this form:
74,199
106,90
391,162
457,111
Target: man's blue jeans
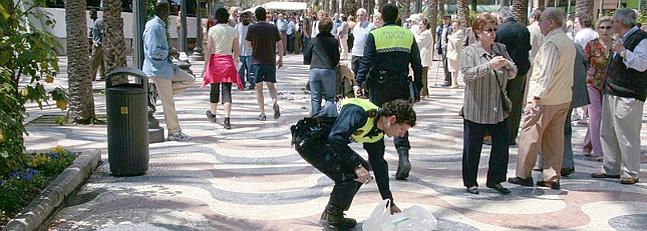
322,82
245,71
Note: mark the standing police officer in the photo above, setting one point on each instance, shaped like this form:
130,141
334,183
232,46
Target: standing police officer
359,121
388,52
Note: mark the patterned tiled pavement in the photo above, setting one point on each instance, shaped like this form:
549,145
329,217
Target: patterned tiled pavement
249,178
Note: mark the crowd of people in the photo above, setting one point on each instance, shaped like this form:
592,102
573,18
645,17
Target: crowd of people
518,81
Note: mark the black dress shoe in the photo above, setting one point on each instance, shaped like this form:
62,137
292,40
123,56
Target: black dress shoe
473,190
567,171
548,184
521,181
499,188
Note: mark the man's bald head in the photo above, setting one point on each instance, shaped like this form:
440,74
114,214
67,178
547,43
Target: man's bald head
162,9
555,14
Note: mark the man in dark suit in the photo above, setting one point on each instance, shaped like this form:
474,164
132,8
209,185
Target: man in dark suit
516,38
442,32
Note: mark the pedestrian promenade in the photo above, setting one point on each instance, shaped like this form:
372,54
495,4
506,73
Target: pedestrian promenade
249,178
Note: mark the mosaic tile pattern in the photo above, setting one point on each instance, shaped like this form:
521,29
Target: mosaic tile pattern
249,178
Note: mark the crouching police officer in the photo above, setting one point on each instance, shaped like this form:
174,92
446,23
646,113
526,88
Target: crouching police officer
389,51
325,146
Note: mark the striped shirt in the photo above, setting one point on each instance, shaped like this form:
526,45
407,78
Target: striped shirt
482,101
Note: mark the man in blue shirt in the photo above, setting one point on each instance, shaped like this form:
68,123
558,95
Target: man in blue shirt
97,48
168,78
282,25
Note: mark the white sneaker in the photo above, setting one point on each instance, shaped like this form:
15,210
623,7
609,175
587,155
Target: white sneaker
178,136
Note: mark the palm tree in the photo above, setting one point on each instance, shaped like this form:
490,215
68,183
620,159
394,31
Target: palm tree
350,7
520,11
441,7
381,3
584,9
462,11
432,12
474,4
113,44
81,102
406,9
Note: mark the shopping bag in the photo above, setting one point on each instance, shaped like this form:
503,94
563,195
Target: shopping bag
380,219
415,218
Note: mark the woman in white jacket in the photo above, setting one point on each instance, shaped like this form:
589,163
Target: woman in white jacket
455,44
424,40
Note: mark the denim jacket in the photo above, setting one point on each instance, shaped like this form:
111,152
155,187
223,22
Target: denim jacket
157,62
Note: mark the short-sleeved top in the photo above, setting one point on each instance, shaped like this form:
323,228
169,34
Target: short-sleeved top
222,38
245,50
263,36
598,58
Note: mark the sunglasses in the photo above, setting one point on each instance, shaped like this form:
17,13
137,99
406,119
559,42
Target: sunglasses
604,27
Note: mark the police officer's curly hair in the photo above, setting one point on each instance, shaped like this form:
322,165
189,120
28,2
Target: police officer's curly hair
403,111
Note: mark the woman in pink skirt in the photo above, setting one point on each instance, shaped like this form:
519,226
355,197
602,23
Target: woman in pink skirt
220,68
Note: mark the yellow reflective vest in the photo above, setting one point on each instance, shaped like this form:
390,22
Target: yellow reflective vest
392,38
360,136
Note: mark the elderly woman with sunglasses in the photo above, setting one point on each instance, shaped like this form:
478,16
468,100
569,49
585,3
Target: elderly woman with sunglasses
597,53
486,68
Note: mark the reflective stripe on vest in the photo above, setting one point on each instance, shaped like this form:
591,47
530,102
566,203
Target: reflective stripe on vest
392,38
360,135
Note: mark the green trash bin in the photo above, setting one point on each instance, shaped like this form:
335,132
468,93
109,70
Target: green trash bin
127,122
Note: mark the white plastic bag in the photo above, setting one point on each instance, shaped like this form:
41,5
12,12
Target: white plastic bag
415,218
380,219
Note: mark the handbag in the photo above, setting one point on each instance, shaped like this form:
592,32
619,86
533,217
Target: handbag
506,104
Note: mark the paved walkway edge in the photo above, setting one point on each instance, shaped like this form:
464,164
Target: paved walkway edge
32,217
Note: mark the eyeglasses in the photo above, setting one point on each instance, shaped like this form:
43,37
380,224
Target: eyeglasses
604,27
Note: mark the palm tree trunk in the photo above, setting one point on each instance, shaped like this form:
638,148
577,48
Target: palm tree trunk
350,7
441,7
584,9
81,102
114,44
520,11
381,3
462,12
474,5
432,11
406,9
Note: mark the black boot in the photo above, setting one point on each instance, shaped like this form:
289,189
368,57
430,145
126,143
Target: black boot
335,219
404,166
227,123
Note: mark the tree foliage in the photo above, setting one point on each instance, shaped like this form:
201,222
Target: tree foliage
27,59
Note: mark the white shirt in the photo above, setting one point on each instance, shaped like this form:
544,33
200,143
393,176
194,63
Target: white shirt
536,39
242,43
222,39
315,29
638,58
360,34
584,36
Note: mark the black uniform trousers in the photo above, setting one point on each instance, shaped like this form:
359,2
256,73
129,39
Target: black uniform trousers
380,93
321,156
472,146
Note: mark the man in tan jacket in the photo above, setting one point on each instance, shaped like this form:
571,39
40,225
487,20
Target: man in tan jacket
548,103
